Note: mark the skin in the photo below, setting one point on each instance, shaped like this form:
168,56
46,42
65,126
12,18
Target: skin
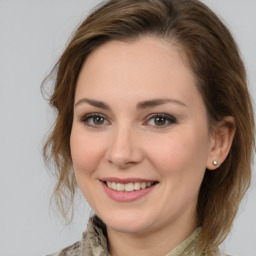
128,142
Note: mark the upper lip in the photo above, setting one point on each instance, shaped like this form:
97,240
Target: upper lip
126,180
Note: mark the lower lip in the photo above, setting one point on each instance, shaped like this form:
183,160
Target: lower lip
121,196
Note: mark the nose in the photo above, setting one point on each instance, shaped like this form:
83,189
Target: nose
124,148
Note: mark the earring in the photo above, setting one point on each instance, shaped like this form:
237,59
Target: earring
215,162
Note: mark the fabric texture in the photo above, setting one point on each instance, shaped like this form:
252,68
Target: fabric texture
94,243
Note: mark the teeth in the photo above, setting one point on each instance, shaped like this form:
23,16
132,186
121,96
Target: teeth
113,186
136,186
129,186
119,187
143,185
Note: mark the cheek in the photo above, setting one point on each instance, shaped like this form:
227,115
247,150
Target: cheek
180,153
86,152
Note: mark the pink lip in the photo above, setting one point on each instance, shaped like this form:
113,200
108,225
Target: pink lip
124,181
121,196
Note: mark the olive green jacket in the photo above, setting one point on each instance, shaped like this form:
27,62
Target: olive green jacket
94,243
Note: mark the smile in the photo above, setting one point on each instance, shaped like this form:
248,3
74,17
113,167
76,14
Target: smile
127,190
128,187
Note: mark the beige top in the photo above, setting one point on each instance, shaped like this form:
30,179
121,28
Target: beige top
94,243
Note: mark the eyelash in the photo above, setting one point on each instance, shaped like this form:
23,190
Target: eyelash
166,118
89,117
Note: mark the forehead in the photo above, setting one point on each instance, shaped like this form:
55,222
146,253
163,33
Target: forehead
147,60
123,74
147,49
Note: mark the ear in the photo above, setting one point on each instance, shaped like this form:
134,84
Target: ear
221,141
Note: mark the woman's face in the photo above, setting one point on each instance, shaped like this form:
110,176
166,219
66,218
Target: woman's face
140,141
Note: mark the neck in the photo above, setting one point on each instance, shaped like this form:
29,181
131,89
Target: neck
156,242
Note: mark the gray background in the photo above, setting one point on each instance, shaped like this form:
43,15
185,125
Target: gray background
32,36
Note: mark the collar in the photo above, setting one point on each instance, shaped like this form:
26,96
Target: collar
94,242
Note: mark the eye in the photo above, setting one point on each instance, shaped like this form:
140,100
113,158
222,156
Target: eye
94,120
161,120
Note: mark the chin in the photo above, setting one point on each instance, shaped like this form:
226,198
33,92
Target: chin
127,228
127,223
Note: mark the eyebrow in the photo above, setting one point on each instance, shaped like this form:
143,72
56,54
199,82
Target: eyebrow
157,102
95,103
140,105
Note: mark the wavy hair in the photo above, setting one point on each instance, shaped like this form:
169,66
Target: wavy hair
214,58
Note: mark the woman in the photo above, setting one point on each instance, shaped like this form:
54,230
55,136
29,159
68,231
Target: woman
155,126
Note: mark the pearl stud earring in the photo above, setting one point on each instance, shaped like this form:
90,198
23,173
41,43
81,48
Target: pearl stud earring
215,162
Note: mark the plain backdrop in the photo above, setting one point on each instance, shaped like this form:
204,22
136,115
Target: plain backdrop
32,36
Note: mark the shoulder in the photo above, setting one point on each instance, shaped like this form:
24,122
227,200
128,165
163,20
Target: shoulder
72,250
93,242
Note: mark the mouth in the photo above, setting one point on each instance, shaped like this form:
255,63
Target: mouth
129,187
127,190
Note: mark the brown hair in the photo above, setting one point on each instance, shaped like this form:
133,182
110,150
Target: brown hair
221,79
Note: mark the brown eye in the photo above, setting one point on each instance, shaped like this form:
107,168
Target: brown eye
94,120
98,120
160,121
